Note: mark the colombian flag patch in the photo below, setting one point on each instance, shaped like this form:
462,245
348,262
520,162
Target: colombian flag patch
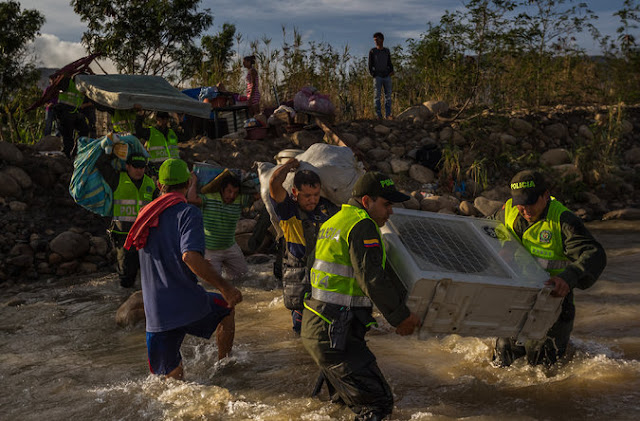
372,243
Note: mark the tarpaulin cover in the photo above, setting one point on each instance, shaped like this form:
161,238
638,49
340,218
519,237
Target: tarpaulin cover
122,92
87,187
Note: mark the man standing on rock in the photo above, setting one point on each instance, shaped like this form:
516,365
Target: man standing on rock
347,278
132,190
563,246
381,69
170,236
301,215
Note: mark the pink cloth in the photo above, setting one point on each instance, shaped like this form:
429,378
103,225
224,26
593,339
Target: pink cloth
149,217
251,87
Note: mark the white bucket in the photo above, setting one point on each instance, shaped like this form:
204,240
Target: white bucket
286,154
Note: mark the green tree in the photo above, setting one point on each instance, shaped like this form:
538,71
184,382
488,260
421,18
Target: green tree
17,69
146,36
216,55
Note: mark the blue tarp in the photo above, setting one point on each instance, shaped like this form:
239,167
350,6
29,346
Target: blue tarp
87,186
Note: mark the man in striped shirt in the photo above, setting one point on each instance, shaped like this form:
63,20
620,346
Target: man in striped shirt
221,211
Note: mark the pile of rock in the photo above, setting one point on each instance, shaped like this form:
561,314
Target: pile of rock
44,232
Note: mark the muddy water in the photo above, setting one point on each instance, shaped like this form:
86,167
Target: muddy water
62,357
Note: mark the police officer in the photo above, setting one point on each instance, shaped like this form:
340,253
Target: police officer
122,121
347,278
132,190
162,141
69,116
558,239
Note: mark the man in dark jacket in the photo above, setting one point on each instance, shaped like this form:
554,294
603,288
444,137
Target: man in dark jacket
301,215
563,246
381,68
347,278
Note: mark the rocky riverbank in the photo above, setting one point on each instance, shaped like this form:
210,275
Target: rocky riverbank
592,155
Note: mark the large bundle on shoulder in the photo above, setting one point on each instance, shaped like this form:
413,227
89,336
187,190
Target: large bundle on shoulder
87,187
336,166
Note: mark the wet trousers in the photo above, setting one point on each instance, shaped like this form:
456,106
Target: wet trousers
127,261
352,375
546,351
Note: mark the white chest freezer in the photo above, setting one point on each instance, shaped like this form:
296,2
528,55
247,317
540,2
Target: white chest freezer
468,276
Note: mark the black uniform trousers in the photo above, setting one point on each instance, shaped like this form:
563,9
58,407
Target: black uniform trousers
353,373
69,122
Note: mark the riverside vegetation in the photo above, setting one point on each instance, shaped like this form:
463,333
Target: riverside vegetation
497,86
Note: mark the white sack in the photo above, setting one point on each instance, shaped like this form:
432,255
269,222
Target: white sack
336,166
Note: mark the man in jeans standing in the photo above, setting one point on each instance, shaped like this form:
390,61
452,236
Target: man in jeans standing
381,69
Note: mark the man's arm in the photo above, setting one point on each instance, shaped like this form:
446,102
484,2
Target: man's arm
371,63
192,194
110,175
389,63
203,269
276,191
141,131
366,259
587,256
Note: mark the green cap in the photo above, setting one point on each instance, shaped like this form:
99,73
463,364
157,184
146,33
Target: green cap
526,187
173,171
376,184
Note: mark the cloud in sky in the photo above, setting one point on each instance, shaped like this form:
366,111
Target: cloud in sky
52,52
337,22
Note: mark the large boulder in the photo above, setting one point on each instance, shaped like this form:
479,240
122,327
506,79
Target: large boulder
421,174
632,156
365,144
131,311
436,107
628,214
70,245
487,206
10,153
378,154
568,171
245,225
399,165
520,126
306,138
21,177
556,131
557,156
411,113
100,245
382,129
585,132
49,143
9,187
412,203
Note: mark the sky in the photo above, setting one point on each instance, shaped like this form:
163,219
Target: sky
338,22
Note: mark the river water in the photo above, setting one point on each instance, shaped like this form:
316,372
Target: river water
63,357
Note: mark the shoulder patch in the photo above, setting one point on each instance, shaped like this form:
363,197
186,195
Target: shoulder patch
374,242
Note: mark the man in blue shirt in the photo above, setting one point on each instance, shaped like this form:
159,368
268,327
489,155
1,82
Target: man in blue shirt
171,261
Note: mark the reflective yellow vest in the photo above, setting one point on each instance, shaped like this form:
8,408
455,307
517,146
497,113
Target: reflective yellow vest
543,239
332,276
128,200
123,120
161,148
71,96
